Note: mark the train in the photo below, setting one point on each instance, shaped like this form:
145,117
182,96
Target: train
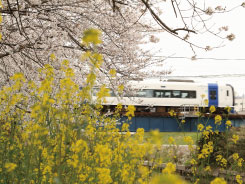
177,95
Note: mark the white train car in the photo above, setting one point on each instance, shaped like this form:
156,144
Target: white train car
173,94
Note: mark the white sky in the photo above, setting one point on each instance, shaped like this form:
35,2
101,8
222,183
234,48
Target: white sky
171,46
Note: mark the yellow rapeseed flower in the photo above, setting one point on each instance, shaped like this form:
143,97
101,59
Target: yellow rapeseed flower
235,138
193,170
125,172
171,113
218,181
119,107
188,140
207,149
207,168
218,157
52,57
10,166
200,127
113,72
92,36
69,72
205,133
140,134
65,62
144,171
169,169
200,156
167,179
228,109
171,140
104,175
125,127
218,119
239,179
120,88
82,177
209,128
235,156
193,162
197,181
18,77
130,111
104,92
228,123
223,162
239,162
96,59
47,169
212,108
103,155
198,114
206,101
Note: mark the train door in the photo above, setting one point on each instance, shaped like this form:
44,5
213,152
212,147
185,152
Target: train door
213,97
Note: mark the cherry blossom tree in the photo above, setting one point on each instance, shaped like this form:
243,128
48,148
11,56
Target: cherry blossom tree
37,32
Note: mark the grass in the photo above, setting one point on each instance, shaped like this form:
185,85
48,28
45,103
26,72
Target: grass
178,136
175,154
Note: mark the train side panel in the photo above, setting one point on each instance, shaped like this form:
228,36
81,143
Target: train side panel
217,94
200,90
226,96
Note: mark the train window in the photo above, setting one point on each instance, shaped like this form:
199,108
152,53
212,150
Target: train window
141,93
227,93
162,94
176,94
167,94
184,94
159,94
192,94
148,93
212,95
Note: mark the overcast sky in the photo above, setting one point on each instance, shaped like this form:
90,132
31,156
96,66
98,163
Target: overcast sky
230,63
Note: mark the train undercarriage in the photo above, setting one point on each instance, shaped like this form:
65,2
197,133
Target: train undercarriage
184,109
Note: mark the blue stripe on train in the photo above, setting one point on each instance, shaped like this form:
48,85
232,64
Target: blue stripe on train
213,94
